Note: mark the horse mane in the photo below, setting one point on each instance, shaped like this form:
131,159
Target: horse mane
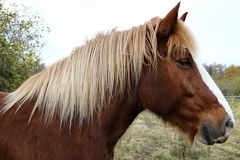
83,83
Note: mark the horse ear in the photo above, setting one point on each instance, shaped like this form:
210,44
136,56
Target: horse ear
168,23
183,17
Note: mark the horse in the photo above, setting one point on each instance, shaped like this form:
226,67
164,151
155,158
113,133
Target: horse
79,107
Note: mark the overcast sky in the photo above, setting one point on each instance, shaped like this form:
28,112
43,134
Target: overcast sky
214,23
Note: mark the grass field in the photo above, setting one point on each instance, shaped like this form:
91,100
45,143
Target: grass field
149,139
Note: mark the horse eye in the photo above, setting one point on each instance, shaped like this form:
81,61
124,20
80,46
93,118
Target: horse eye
184,63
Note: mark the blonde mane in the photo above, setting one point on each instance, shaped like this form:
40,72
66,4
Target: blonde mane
84,83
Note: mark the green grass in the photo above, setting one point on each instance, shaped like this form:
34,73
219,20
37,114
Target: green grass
148,138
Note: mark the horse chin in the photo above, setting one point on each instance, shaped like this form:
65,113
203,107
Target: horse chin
205,137
205,141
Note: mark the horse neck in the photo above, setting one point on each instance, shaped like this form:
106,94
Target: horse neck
2,95
118,116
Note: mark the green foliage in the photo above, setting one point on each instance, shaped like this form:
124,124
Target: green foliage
20,41
228,79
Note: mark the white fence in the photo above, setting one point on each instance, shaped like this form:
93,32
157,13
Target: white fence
232,97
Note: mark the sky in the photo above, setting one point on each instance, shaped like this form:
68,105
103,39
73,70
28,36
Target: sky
215,24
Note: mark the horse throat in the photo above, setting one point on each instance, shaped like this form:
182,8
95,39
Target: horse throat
118,117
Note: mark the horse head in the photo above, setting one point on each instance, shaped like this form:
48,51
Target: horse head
179,89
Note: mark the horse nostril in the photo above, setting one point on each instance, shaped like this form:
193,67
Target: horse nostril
229,123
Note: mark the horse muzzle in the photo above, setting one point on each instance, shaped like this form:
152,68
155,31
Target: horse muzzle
211,135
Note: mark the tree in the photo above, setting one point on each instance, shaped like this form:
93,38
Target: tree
228,79
232,80
215,70
20,41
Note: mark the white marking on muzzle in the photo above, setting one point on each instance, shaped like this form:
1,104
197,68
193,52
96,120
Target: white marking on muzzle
207,79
